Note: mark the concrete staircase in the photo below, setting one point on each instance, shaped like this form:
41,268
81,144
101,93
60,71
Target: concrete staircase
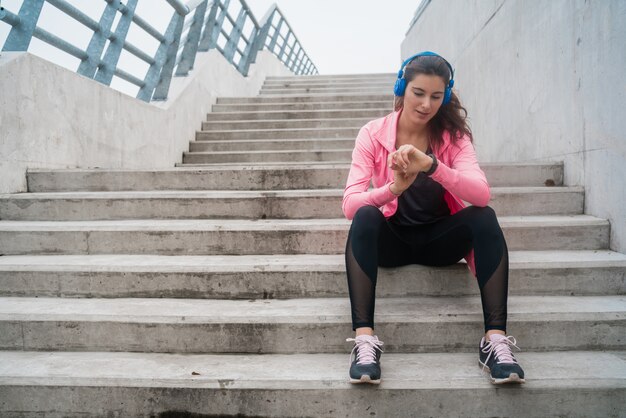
217,288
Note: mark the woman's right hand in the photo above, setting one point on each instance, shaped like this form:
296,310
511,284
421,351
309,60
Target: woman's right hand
402,181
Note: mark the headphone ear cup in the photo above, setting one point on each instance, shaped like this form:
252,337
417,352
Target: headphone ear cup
447,95
399,87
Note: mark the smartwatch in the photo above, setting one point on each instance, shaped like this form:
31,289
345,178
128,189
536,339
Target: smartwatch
434,166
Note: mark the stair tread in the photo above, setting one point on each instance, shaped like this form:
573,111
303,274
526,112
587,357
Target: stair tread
422,309
270,152
277,262
302,371
381,96
280,130
243,122
248,166
223,194
267,224
253,141
273,112
385,102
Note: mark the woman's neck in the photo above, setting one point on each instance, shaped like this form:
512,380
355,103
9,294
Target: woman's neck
409,133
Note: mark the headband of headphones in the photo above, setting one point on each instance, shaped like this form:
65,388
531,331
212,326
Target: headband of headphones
400,86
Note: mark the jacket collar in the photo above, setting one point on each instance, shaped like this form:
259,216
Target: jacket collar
385,131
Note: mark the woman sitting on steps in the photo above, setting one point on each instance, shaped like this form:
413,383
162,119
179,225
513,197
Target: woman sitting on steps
422,164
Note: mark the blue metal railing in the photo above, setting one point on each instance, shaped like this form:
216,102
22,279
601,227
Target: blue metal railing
199,25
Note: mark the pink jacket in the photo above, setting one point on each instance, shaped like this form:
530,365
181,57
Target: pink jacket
458,172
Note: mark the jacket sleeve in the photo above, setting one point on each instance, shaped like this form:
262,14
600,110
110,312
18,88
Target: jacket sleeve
356,193
464,178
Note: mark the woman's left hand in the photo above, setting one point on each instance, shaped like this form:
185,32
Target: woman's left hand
409,160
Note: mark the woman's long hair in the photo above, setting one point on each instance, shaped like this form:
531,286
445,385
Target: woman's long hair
451,116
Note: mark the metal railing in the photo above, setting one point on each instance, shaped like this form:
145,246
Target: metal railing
199,25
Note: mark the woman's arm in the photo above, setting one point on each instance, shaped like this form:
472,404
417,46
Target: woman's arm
464,178
356,193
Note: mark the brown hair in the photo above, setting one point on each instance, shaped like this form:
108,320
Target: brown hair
451,116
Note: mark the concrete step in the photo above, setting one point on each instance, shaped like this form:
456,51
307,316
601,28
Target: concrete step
248,177
331,82
299,114
357,85
321,203
341,84
496,179
410,325
285,124
271,145
351,95
284,164
275,236
387,104
332,77
267,156
564,384
532,273
288,133
309,98
375,88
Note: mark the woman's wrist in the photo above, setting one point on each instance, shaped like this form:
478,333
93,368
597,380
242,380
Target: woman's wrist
430,168
394,190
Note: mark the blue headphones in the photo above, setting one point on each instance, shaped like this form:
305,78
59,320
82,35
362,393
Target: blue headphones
400,86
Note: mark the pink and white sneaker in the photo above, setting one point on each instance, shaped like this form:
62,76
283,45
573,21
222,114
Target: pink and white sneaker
365,365
496,357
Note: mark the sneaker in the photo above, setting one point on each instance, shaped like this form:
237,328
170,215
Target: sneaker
496,357
365,365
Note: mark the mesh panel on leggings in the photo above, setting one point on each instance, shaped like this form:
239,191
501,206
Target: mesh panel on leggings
493,293
362,290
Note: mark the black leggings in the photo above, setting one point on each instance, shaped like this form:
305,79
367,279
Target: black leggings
373,241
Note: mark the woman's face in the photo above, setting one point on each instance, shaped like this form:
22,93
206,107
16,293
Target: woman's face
423,98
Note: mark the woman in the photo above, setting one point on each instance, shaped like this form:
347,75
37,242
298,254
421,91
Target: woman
422,165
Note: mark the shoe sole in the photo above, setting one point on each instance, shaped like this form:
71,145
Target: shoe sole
365,379
513,377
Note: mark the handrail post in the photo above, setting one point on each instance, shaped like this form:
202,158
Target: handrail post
106,70
206,41
20,35
188,56
219,22
275,35
291,60
154,72
244,62
165,79
235,35
257,42
88,67
294,65
285,43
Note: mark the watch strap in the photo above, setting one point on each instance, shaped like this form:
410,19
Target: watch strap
432,167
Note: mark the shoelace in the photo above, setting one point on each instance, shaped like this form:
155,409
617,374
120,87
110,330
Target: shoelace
366,350
502,349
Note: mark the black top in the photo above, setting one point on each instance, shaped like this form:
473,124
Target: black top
421,203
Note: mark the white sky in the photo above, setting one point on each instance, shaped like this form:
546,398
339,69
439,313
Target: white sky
340,36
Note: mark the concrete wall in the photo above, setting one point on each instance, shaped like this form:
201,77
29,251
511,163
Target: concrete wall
542,81
53,118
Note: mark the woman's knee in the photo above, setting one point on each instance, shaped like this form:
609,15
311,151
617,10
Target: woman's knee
367,220
483,219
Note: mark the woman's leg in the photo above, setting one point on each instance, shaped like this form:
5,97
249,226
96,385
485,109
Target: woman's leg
369,240
478,228
448,240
